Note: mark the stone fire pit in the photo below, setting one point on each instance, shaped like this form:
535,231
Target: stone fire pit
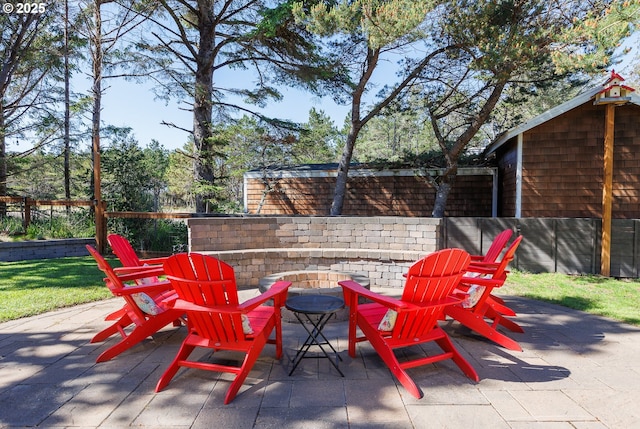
322,282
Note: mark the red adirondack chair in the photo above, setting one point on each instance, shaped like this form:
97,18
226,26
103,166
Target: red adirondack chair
123,249
428,290
208,295
145,310
497,246
482,313
488,261
489,264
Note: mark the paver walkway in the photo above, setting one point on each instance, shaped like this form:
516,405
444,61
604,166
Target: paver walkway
576,371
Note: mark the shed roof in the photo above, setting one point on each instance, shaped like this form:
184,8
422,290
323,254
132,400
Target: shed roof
555,112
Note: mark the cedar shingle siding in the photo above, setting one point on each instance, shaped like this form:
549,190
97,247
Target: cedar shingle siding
507,184
370,195
562,165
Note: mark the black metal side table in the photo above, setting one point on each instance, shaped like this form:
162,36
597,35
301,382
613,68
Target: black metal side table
307,306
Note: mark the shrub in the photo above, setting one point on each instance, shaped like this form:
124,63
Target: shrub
11,226
155,235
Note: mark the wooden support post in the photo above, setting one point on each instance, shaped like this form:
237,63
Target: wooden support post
27,213
101,224
607,190
101,227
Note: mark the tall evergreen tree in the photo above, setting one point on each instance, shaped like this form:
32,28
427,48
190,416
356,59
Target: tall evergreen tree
362,34
486,49
29,51
463,55
193,41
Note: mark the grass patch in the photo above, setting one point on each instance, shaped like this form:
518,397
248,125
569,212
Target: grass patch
28,288
33,287
617,299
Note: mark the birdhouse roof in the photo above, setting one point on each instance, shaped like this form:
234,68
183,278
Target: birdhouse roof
613,76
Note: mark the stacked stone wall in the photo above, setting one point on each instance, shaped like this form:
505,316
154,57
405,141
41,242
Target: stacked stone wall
381,248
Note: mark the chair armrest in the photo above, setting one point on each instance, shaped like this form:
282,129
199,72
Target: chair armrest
482,267
450,300
140,273
481,281
180,304
154,261
277,290
183,305
359,290
148,270
152,287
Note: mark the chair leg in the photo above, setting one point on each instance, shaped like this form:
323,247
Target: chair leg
278,341
503,321
138,334
183,353
447,346
386,354
500,307
117,314
117,327
477,323
511,325
252,355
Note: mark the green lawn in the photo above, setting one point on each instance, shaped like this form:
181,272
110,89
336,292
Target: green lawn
613,298
32,287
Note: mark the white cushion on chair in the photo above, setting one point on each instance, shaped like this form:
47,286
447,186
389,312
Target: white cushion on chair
388,321
474,292
246,325
146,303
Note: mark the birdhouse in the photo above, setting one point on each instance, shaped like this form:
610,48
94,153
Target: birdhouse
614,91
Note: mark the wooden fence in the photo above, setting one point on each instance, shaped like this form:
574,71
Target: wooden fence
563,245
26,207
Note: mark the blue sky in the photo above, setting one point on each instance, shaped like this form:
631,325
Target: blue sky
133,105
129,104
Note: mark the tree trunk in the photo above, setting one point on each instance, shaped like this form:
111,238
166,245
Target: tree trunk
99,206
343,170
444,184
202,110
67,144
443,189
3,163
356,125
442,195
96,91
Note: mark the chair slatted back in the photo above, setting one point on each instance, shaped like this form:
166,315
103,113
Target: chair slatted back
208,282
501,270
123,250
431,279
497,245
114,283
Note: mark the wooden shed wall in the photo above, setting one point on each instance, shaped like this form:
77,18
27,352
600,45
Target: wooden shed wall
626,163
371,195
562,166
507,166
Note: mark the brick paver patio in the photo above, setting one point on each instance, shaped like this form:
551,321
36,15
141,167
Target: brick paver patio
576,371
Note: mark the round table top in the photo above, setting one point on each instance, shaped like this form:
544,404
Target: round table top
314,304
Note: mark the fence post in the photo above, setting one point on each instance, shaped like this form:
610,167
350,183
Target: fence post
101,226
27,213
